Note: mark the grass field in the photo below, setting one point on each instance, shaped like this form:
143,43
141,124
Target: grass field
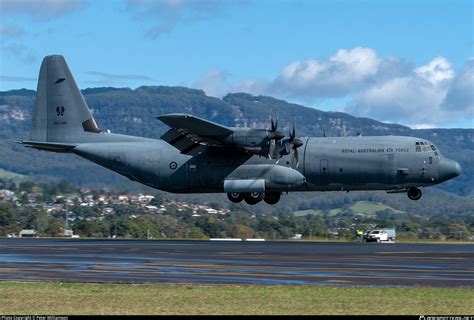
370,208
78,298
362,207
303,213
10,175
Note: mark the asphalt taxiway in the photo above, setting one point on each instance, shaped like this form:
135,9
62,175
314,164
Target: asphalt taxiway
216,262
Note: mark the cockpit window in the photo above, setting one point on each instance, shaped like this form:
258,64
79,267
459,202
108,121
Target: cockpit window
422,146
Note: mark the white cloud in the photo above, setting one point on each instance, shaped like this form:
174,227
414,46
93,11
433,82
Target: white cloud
41,10
460,97
409,100
431,95
116,79
17,79
388,89
167,14
436,71
361,62
336,76
215,83
19,52
9,30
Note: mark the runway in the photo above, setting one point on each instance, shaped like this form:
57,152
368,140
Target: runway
237,263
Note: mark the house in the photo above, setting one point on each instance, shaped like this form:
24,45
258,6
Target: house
28,233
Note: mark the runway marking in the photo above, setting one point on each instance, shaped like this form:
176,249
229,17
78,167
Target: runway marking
399,252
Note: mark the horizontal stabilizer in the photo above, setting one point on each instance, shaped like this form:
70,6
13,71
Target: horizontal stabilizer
48,146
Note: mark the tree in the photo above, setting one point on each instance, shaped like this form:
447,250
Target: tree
41,220
95,229
197,233
457,231
55,228
242,231
7,220
26,186
66,187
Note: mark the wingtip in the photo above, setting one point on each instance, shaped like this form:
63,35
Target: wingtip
164,117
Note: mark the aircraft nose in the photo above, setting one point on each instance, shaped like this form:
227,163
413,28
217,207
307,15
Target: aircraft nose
449,169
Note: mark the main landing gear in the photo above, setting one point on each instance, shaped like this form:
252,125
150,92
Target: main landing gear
414,193
254,197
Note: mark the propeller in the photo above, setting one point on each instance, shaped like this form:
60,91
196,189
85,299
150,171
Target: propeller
274,136
290,146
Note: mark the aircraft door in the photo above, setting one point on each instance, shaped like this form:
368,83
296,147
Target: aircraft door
192,172
390,169
428,168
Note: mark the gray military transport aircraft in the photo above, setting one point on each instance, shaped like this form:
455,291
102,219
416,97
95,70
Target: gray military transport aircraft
200,156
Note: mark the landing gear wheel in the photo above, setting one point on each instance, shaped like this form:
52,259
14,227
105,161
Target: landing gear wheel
235,197
414,193
272,197
253,197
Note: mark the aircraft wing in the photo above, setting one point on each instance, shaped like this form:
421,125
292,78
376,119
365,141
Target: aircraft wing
190,134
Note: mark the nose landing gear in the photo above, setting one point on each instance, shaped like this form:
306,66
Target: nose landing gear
414,193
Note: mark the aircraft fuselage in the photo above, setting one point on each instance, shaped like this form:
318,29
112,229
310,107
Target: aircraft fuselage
197,155
327,164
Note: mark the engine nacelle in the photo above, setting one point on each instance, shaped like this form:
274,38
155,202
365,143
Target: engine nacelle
254,141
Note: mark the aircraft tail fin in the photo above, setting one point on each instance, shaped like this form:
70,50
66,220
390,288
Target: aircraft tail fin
60,114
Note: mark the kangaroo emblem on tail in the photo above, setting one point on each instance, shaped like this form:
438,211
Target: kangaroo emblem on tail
60,111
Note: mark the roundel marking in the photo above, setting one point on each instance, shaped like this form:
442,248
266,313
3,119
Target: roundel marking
173,165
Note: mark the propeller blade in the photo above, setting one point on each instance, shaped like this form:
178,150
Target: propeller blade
285,147
272,149
294,160
293,132
274,124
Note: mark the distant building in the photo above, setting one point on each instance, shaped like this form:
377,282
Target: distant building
28,233
6,194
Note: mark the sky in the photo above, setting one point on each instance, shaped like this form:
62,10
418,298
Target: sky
407,62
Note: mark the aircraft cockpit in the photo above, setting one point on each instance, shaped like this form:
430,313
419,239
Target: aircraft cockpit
423,146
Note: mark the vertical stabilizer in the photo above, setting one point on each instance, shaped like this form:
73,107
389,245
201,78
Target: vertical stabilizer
61,113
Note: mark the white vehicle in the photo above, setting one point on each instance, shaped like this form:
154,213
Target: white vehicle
380,235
